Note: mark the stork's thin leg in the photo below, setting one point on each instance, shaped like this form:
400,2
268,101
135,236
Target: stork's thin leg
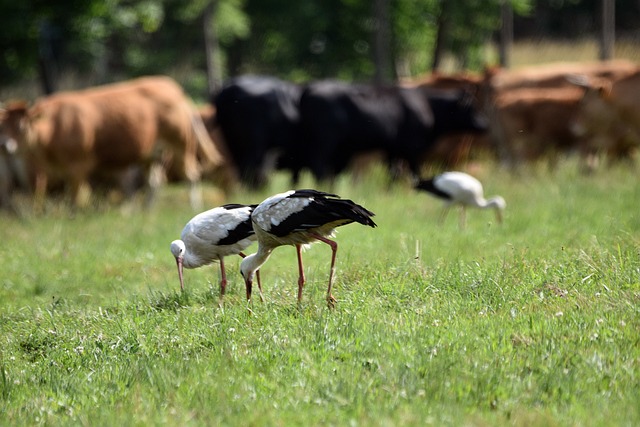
258,277
249,284
223,278
443,214
259,286
331,301
223,281
301,278
463,217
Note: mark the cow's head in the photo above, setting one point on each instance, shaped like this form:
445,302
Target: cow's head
462,112
595,114
17,122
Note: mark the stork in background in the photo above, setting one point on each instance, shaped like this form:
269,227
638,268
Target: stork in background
459,188
300,217
212,235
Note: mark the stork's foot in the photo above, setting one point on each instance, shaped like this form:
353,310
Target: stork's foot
331,302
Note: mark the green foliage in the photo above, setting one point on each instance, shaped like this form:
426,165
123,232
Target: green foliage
534,322
315,39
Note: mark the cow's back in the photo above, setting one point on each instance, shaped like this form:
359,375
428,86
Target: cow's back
555,75
258,116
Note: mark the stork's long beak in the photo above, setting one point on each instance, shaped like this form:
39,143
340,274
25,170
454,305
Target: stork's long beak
499,216
248,282
179,263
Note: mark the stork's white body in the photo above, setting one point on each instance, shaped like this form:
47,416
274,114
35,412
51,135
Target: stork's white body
212,235
459,188
300,217
203,235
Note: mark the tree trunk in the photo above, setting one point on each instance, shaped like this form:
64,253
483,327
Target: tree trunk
608,29
211,46
46,57
506,34
382,43
441,35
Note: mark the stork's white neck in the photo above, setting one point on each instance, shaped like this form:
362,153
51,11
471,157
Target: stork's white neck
253,262
494,202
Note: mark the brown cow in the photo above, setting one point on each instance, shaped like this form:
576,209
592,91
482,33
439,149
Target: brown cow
537,122
609,116
13,170
227,175
110,129
555,74
516,101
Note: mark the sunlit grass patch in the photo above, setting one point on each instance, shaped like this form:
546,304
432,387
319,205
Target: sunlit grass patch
532,322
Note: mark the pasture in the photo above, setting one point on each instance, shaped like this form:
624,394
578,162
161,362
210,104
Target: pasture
532,323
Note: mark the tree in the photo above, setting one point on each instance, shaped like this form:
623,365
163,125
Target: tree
382,57
109,40
205,41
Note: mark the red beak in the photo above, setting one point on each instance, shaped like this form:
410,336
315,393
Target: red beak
179,263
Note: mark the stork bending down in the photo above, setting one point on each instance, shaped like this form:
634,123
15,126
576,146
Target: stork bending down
461,189
212,235
300,217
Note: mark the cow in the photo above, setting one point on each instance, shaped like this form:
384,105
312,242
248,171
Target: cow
14,172
609,115
535,86
454,149
258,117
554,75
227,175
537,123
109,130
340,120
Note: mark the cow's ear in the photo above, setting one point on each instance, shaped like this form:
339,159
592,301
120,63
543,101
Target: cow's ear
17,108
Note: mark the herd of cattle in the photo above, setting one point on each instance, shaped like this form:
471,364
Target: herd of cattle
127,134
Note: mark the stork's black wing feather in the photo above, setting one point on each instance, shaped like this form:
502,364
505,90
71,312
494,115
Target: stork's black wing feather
429,186
242,230
308,192
230,206
323,210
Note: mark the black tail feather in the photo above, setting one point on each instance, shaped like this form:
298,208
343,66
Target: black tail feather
324,209
429,186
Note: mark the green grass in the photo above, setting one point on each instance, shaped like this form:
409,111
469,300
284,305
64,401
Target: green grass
532,323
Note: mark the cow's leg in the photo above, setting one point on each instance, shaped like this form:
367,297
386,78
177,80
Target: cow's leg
81,193
192,173
40,190
6,183
155,178
195,196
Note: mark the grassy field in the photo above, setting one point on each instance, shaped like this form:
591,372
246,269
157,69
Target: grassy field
532,323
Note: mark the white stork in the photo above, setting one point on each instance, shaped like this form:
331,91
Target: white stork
459,188
300,217
212,235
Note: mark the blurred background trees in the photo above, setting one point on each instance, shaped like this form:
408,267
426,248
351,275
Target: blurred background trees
210,40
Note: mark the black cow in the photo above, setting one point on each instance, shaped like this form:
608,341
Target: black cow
340,120
258,117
